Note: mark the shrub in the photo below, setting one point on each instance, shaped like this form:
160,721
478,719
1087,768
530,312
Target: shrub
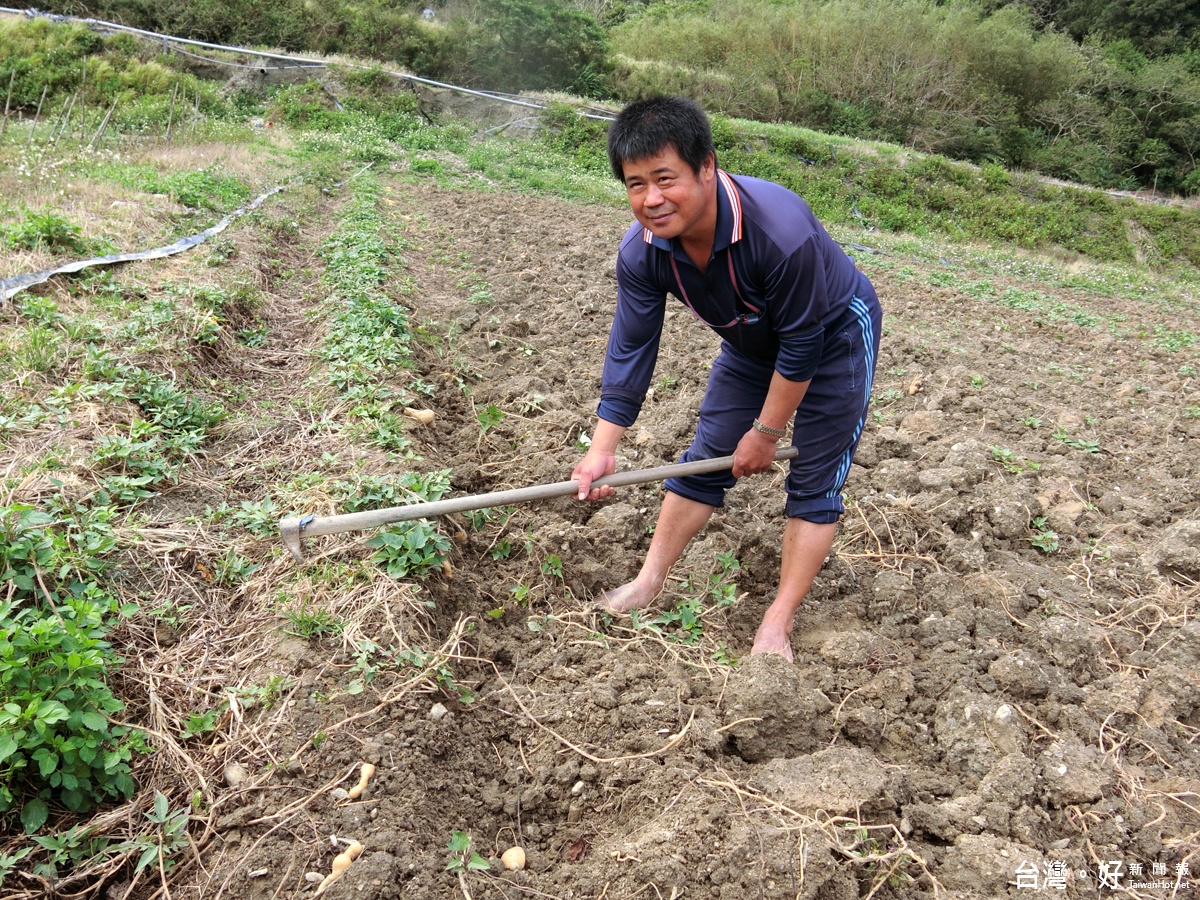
538,45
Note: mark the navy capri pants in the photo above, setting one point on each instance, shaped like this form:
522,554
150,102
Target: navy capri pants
828,423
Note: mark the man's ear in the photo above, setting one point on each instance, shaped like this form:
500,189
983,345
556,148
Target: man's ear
708,168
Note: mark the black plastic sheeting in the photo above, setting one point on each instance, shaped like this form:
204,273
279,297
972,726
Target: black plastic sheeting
9,287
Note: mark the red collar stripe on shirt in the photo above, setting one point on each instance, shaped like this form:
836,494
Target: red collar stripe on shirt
735,204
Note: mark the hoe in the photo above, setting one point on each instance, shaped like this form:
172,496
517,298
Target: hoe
293,529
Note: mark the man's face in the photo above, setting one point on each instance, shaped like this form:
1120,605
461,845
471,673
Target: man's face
669,197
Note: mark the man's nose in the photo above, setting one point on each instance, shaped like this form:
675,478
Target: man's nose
654,196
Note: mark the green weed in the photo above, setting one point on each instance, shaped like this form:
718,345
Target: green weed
1173,341
1013,462
309,623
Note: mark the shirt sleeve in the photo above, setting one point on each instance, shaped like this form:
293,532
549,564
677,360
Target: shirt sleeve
798,302
633,341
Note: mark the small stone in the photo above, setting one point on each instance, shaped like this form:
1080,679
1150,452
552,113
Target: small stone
437,712
235,774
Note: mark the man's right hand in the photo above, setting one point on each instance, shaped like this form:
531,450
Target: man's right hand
595,464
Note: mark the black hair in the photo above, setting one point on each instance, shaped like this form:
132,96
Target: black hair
645,128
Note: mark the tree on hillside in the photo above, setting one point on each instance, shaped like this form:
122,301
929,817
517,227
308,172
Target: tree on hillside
540,45
1155,26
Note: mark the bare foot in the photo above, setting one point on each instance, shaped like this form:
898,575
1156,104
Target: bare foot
772,638
627,597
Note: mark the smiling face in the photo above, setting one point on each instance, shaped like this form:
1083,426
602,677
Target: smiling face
671,199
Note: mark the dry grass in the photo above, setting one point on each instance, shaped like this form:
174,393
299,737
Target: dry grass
239,160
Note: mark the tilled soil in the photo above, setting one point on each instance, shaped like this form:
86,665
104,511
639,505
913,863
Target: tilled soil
997,676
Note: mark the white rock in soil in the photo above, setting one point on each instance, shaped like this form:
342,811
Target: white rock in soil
235,774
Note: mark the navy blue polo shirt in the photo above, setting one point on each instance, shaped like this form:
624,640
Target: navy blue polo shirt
775,280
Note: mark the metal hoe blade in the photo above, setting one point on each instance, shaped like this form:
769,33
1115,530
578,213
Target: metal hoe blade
293,529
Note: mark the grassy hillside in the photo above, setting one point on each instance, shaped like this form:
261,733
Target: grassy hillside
1103,93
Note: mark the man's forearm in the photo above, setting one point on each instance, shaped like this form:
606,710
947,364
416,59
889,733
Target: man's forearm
782,399
606,436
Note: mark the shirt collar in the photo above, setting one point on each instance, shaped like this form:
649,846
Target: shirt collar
729,217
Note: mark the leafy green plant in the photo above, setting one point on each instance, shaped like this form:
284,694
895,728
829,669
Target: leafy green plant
376,491
489,417
410,549
462,858
681,623
1173,340
366,665
57,741
171,827
233,569
141,454
43,230
552,565
9,861
202,189
1087,446
199,723
1013,461
260,518
1043,537
264,695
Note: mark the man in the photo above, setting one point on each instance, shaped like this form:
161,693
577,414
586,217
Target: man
799,327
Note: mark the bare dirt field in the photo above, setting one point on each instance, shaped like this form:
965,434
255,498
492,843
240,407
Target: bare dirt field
996,690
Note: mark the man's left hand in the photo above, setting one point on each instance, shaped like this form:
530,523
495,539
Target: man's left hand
755,453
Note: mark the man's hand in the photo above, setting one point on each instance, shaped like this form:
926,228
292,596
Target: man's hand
755,453
596,464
